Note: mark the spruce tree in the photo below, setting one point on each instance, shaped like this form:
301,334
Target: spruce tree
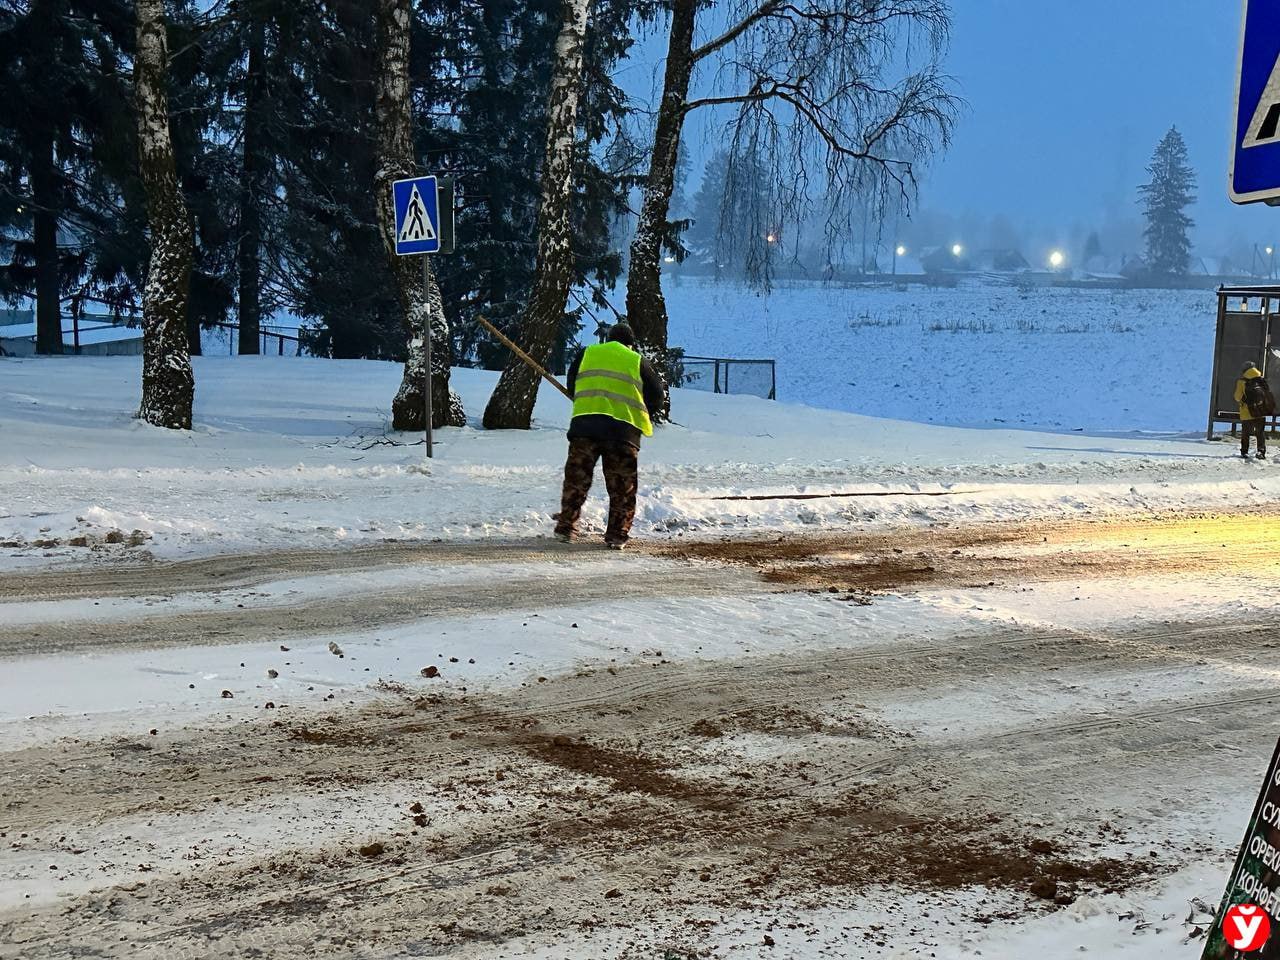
731,216
483,52
63,148
333,270
1165,199
1092,246
273,132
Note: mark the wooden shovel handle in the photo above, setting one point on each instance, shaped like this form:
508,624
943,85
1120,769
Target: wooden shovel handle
533,364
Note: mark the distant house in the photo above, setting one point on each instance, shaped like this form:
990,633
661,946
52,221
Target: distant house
13,318
998,260
99,335
1220,268
908,266
1134,268
944,260
1103,267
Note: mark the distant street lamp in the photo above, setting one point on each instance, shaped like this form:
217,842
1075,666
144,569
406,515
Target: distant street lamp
1057,259
957,250
898,251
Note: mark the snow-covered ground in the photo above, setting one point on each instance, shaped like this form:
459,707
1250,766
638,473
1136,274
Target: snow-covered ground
297,452
980,354
1070,702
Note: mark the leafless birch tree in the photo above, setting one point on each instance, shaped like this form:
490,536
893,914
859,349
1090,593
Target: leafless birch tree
168,384
845,91
511,406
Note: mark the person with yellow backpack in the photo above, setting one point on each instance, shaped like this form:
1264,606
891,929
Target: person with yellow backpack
1253,394
616,393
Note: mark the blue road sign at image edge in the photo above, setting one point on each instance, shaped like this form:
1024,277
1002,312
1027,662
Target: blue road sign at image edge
417,216
1255,151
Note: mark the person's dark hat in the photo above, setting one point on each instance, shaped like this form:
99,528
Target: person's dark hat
622,333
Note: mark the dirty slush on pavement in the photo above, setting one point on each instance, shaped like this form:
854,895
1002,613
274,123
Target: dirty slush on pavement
638,796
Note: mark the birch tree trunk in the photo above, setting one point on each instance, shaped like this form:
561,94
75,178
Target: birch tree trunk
646,308
511,406
168,385
420,300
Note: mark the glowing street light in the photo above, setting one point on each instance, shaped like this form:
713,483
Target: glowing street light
902,251
1270,251
770,238
1057,259
957,250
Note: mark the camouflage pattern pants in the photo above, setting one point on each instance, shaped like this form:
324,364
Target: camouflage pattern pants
621,477
1253,428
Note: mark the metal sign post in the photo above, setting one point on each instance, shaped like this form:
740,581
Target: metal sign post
426,365
1255,150
423,226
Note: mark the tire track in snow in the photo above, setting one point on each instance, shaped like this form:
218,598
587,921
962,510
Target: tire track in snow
511,860
370,610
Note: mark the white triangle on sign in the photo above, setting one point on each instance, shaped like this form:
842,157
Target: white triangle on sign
417,225
1265,127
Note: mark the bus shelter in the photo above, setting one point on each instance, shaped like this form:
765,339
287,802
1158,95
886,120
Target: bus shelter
1248,330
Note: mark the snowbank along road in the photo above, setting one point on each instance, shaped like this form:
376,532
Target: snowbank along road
716,748
291,454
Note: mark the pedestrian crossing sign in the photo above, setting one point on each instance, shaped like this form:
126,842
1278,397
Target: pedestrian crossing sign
1255,154
417,216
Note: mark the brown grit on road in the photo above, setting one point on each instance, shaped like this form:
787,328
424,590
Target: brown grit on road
642,796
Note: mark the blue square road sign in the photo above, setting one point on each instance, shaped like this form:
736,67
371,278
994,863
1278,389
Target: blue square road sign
1255,153
417,216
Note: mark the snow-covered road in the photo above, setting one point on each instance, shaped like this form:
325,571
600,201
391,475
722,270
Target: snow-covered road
863,688
790,739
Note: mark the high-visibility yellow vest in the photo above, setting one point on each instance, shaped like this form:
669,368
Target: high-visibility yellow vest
609,383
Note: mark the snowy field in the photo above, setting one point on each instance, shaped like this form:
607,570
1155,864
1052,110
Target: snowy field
977,355
289,452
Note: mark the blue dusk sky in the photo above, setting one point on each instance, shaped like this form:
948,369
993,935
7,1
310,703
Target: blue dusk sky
1066,101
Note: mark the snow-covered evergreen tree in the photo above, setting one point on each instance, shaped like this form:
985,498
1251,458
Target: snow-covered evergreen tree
1092,247
730,214
1165,199
63,149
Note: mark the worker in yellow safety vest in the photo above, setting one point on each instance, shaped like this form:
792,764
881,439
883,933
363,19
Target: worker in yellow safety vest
615,395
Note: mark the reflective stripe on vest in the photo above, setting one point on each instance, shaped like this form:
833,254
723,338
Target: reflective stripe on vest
609,383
